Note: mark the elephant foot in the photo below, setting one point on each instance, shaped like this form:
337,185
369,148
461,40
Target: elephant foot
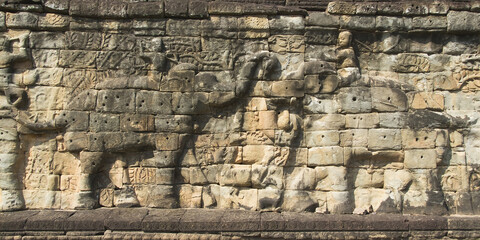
85,200
126,197
12,200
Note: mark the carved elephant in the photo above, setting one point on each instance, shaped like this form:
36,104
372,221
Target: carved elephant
131,114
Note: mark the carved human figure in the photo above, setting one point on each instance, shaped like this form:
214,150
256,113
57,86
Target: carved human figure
11,189
347,65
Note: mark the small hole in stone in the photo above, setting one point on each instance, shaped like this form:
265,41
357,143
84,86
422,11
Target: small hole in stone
93,164
421,156
103,104
136,122
117,96
361,118
323,136
140,105
384,136
416,139
167,138
353,134
105,121
425,138
143,101
71,140
321,65
161,104
106,97
389,98
88,94
95,139
127,104
168,122
73,120
64,114
128,119
354,98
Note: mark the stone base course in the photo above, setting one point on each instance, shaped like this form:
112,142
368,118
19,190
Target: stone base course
144,223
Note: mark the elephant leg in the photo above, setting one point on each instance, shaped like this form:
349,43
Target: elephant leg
11,193
89,164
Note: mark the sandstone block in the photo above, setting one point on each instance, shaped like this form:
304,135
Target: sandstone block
389,23
341,8
269,199
167,141
158,196
367,178
211,196
164,176
238,198
462,21
421,158
376,200
299,178
321,156
57,5
287,24
75,141
424,202
430,22
427,100
10,181
398,180
355,100
267,177
369,120
354,138
357,22
322,138
314,105
324,122
198,9
418,139
104,122
454,178
331,178
388,99
173,123
379,139
22,20
236,175
299,201
322,19
137,123
190,196
112,9
257,153
145,9
7,162
340,202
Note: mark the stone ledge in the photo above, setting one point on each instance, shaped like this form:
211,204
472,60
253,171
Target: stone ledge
219,221
202,8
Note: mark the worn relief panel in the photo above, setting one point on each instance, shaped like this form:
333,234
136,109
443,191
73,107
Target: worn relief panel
141,104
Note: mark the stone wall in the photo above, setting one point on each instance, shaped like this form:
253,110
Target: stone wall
362,107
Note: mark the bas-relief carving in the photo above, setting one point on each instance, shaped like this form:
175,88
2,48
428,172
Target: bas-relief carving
173,122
